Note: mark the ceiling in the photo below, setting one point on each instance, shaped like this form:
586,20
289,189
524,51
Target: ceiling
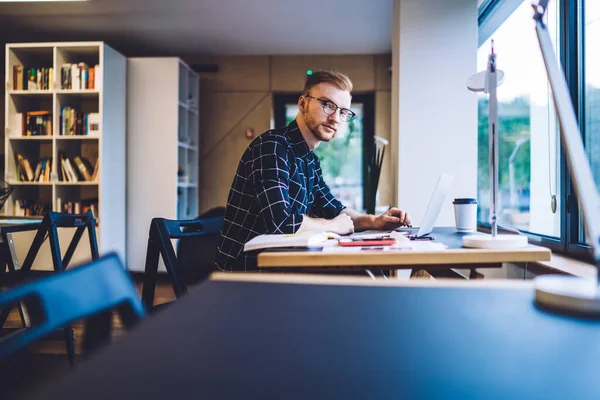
208,27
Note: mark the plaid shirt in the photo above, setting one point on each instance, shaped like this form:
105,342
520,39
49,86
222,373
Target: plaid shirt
277,182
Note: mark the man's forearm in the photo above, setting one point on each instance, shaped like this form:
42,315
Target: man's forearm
361,221
310,224
342,225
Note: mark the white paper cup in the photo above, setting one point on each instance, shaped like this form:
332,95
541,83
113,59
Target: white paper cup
465,214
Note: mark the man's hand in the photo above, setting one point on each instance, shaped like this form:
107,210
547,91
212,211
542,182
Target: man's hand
392,219
342,225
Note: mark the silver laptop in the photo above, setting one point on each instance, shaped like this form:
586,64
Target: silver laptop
433,209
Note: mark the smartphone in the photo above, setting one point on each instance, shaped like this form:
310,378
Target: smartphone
387,241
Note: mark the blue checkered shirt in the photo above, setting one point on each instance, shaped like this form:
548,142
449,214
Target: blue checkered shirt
277,182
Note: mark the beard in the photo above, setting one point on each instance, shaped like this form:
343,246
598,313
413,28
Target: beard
317,129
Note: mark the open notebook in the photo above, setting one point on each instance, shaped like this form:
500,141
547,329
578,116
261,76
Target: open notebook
307,239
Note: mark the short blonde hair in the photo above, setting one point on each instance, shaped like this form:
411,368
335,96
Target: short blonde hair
341,81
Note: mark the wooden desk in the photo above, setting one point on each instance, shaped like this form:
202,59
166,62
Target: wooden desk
345,339
455,256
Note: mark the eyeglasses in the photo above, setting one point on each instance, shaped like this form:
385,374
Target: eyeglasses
330,107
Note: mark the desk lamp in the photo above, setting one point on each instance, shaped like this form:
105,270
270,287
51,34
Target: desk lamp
487,81
570,295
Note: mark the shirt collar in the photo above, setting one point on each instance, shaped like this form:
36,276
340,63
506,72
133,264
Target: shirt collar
299,144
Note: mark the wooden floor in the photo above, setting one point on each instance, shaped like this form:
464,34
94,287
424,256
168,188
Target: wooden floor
164,293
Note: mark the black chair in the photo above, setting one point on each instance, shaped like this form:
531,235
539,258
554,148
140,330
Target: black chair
196,254
89,293
49,229
162,231
50,224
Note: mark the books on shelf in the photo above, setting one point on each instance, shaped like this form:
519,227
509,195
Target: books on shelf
77,169
41,173
78,76
32,78
75,122
26,208
308,239
33,123
77,207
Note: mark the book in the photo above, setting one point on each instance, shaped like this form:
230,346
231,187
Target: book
308,239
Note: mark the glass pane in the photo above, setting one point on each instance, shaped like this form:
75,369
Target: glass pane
341,171
591,126
529,142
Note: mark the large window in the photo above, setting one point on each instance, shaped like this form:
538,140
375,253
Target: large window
591,95
528,138
592,85
533,167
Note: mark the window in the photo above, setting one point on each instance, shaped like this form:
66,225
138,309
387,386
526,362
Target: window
592,85
529,145
591,90
342,159
526,107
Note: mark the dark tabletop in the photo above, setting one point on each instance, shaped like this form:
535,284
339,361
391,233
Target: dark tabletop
448,236
263,340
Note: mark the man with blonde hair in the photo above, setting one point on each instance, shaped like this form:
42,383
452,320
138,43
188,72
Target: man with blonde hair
279,187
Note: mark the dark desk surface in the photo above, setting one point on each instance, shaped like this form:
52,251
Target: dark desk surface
272,340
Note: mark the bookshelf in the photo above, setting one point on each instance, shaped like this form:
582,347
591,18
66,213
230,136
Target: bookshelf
162,147
65,120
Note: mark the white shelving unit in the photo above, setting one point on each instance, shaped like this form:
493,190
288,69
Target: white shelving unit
107,99
162,147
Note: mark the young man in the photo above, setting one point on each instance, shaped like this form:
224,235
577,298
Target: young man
279,188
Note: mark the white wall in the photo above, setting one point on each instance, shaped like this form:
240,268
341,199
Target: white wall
434,116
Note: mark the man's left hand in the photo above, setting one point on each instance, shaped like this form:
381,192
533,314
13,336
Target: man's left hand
392,219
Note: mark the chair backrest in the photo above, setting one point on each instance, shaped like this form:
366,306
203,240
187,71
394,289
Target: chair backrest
196,255
162,231
49,228
177,229
88,292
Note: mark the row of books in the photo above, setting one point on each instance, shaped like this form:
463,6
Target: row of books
32,78
75,122
80,76
72,122
26,208
76,169
77,207
24,171
42,172
33,123
79,169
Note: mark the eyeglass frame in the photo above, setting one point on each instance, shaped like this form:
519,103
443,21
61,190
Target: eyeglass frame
324,104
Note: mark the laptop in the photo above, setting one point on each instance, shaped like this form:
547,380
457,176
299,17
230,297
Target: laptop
433,209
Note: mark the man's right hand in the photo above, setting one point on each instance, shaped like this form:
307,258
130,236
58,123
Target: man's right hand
342,225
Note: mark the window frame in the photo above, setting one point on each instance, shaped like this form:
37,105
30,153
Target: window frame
571,36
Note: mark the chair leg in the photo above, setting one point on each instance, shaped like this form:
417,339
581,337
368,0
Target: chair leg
171,263
9,266
70,342
97,332
150,274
